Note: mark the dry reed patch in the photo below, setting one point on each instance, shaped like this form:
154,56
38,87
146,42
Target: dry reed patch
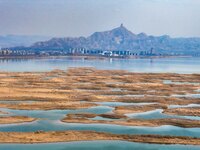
15,119
90,115
159,99
90,84
47,105
189,111
68,136
138,109
86,119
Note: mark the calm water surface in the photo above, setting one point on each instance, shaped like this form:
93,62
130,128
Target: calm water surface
177,65
50,121
97,145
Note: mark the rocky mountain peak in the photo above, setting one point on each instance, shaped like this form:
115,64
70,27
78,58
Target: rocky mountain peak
122,31
121,38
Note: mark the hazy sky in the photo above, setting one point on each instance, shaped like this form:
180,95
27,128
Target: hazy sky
83,17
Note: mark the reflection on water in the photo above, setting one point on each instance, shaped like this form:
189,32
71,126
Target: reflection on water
178,65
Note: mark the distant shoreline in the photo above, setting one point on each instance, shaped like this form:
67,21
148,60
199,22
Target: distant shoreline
90,57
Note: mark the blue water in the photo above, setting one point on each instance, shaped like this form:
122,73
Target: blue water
177,65
157,114
188,95
50,119
97,145
184,106
180,83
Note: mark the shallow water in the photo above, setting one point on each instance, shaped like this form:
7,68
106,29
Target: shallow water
157,114
50,120
50,125
188,95
179,83
173,65
96,145
153,114
56,114
184,106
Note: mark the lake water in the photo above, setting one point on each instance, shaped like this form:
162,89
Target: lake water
50,119
175,65
96,145
157,114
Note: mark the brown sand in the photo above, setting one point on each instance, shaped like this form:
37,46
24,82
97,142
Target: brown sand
138,109
188,111
68,136
15,119
84,118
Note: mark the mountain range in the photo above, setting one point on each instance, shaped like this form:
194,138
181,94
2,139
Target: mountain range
20,40
121,38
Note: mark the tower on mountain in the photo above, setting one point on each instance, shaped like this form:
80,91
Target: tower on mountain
121,25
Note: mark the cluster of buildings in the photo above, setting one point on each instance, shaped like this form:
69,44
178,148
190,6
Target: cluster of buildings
110,52
8,52
75,51
5,52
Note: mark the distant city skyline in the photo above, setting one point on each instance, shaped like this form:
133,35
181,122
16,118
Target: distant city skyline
74,18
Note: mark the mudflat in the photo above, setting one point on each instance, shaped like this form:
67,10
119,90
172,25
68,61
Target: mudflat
82,88
122,120
68,136
15,119
190,111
